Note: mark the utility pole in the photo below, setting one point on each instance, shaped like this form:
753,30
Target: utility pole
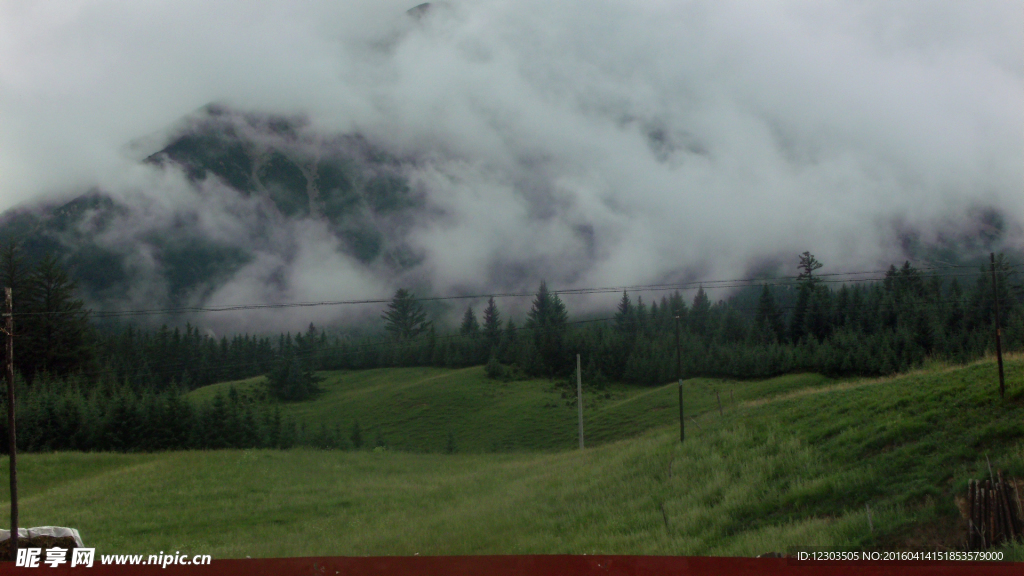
679,376
999,344
579,397
12,438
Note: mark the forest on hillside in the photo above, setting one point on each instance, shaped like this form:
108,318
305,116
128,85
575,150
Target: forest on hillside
85,388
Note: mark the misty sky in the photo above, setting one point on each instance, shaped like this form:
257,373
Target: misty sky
589,143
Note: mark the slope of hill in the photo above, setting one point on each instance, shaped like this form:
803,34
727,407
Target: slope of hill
784,466
416,409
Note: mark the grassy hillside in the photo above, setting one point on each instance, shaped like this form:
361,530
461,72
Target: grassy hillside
414,409
792,462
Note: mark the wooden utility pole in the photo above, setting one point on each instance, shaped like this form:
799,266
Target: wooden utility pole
999,344
579,397
679,376
11,436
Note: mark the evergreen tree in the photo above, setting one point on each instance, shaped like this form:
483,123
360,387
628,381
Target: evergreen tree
404,318
55,329
469,325
547,320
808,283
641,315
625,319
494,369
13,272
492,324
507,349
700,313
768,320
816,317
292,379
678,307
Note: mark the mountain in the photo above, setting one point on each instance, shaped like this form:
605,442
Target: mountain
259,173
245,207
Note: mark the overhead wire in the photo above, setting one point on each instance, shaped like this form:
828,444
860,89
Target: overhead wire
829,278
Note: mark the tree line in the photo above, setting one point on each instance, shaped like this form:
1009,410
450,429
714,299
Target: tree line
120,388
812,324
76,414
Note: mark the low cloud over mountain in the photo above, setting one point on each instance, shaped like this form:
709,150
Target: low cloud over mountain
351,148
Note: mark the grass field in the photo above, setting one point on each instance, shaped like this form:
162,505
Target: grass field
415,409
792,461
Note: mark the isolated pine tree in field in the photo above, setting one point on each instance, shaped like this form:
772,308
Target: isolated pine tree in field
404,318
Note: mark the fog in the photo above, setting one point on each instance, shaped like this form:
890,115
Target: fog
588,144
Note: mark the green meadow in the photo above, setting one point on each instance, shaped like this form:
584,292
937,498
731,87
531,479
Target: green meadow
790,461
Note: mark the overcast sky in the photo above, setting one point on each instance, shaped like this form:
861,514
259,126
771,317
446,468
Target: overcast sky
596,143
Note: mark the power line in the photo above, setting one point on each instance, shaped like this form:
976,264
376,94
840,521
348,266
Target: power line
830,278
176,367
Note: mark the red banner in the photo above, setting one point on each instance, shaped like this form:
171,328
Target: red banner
560,565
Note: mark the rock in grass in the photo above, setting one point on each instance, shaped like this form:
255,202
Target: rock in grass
42,537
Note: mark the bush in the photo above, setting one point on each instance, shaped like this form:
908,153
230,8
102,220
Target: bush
290,380
494,369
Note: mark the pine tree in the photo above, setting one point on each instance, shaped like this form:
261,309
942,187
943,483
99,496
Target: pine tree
797,326
700,314
507,348
492,324
469,325
768,320
13,272
56,331
641,315
404,318
494,369
547,320
625,319
292,379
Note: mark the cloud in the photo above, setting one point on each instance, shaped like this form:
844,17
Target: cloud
595,143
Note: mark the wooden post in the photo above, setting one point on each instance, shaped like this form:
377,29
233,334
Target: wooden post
12,437
1009,530
979,523
579,397
999,344
970,515
975,504
679,376
719,396
990,502
1015,506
